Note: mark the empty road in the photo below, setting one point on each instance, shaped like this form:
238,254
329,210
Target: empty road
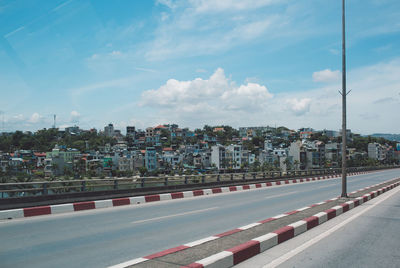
366,236
103,237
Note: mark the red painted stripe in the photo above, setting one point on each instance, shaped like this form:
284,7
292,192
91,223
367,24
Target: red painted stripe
258,185
284,233
246,187
286,182
228,233
245,251
291,212
308,179
331,213
365,198
84,205
313,179
278,183
294,181
269,184
198,192
122,201
152,198
232,188
166,252
37,211
193,265
372,195
356,203
311,222
216,190
177,195
301,180
267,220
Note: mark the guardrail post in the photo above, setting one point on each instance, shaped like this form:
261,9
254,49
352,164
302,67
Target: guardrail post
83,186
142,182
166,181
218,177
280,173
203,179
44,191
244,176
186,180
115,184
232,177
264,175
254,175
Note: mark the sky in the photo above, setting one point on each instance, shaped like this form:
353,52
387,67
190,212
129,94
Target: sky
197,62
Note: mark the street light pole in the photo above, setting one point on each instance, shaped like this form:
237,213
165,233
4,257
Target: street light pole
344,93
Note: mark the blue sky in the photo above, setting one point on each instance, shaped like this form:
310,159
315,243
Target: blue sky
197,62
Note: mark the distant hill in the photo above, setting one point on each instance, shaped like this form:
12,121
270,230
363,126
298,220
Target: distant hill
391,137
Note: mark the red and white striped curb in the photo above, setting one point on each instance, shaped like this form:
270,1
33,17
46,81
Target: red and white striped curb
79,206
242,252
281,234
214,237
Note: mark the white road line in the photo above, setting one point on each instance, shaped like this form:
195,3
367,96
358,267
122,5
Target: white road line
279,195
311,242
175,215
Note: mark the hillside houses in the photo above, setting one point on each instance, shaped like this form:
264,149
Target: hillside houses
168,149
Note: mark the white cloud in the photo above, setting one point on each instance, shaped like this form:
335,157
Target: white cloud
228,5
219,100
14,31
146,70
35,118
334,51
198,27
326,76
122,82
116,53
75,116
249,97
212,99
299,107
18,118
201,71
169,3
190,96
176,92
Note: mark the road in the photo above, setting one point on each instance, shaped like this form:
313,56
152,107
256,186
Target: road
367,236
104,237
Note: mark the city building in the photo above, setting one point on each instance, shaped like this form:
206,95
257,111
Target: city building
109,130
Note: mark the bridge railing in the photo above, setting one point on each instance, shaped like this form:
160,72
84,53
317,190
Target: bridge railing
8,190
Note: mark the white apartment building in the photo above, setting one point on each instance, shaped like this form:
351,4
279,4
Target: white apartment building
376,151
218,156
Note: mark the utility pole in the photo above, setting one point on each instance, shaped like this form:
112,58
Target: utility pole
54,121
344,94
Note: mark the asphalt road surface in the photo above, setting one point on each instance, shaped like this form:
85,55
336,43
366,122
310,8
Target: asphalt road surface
104,237
366,236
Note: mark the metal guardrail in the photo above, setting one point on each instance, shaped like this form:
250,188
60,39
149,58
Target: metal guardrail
8,190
